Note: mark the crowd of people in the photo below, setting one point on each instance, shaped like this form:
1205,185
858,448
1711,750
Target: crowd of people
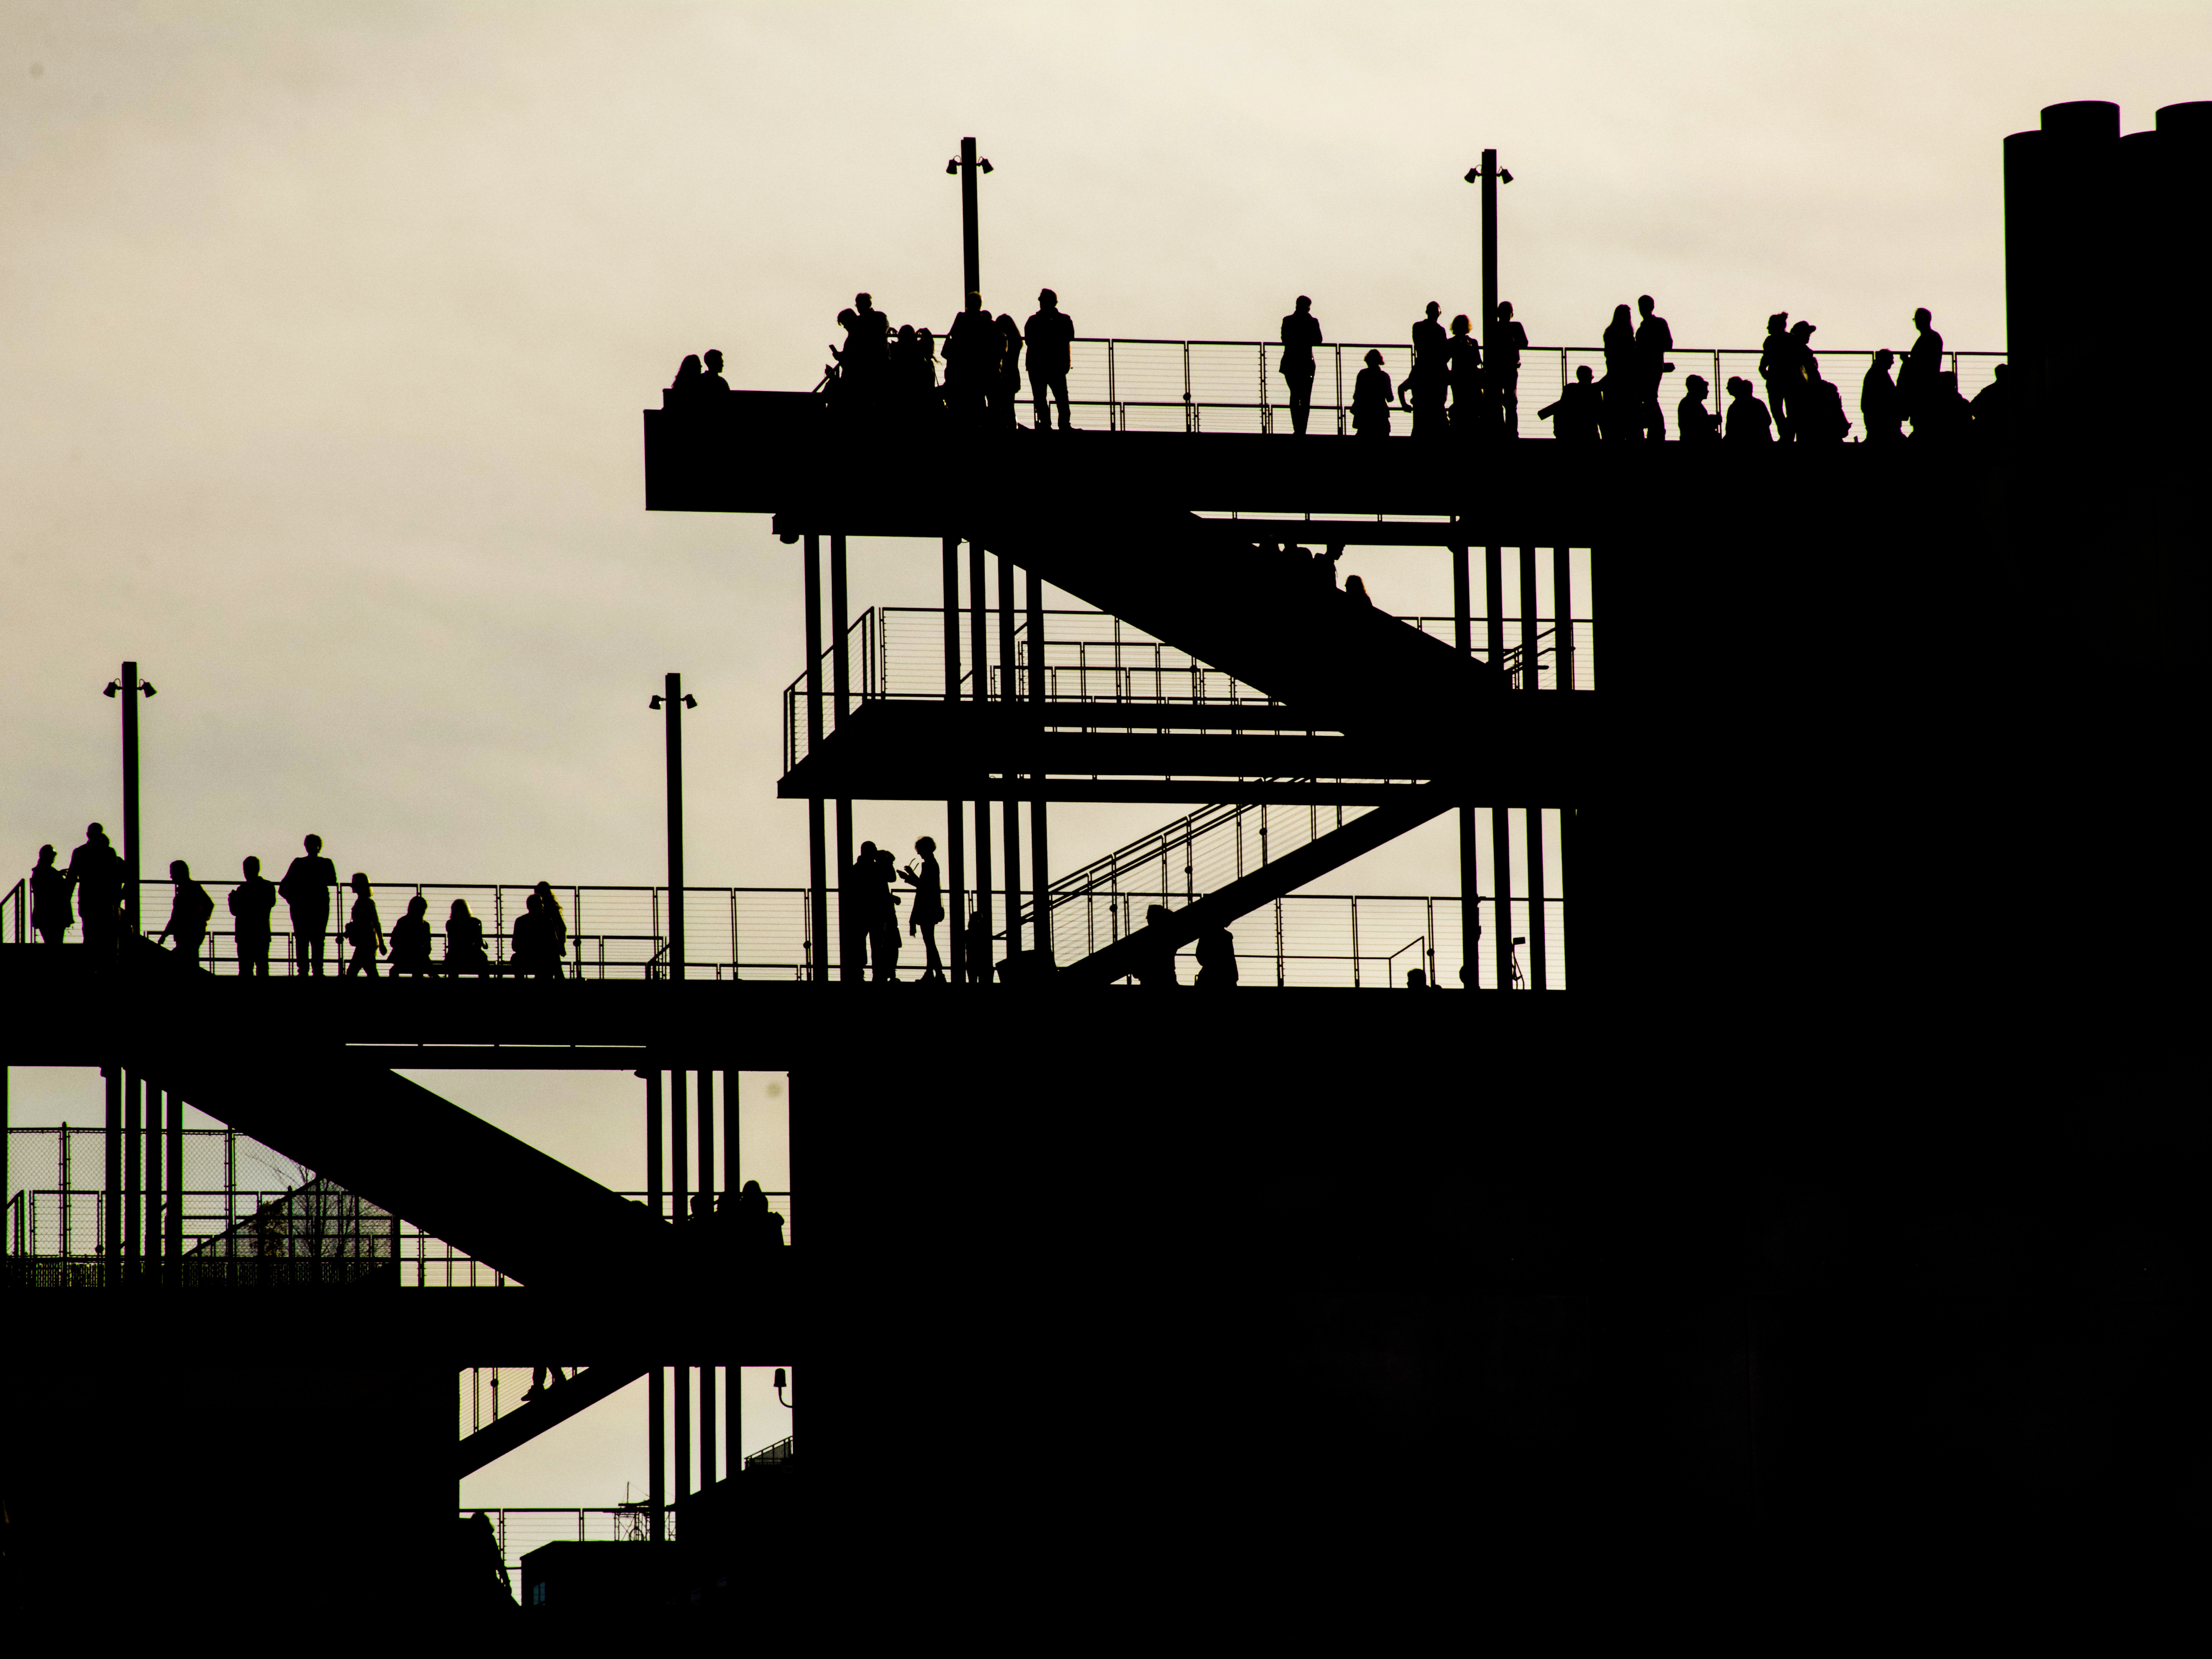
92,885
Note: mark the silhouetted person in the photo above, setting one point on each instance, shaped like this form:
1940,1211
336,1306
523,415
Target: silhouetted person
1879,408
759,1228
1993,407
1050,334
711,384
1654,340
1355,594
972,350
1217,959
410,940
1574,417
1747,419
932,396
1693,422
928,907
537,1382
1006,389
1621,414
95,876
1301,336
905,375
977,940
1371,399
1923,364
49,895
252,904
1939,414
882,909
1463,369
1155,963
1505,370
1323,568
1416,979
464,942
683,392
1431,376
868,350
190,910
553,934
530,946
364,931
480,1573
1778,368
306,890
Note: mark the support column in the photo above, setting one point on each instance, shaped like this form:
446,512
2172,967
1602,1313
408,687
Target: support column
111,1221
706,1475
1537,951
1562,618
1009,809
1501,883
679,1130
174,1249
1470,859
851,952
681,1377
979,658
156,1185
656,1440
956,828
1532,624
1040,866
134,1088
652,1159
707,1140
816,849
1493,572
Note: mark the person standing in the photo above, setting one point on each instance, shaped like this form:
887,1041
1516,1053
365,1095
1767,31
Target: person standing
1694,422
928,886
867,352
1747,420
553,935
1463,367
1916,381
50,895
971,364
190,911
364,931
1777,356
250,903
1051,337
95,876
1623,386
306,890
1654,340
1505,369
1301,334
1431,372
1574,417
711,383
1216,954
1878,404
1371,399
1007,388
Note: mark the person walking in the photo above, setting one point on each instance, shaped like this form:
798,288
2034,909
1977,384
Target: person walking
306,889
364,931
50,895
95,876
1505,370
1654,340
928,906
1371,399
1301,336
190,911
1050,335
251,904
1431,376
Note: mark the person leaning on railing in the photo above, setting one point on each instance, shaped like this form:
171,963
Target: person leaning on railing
190,910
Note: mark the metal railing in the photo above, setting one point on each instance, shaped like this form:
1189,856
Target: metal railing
1089,656
770,1458
1232,385
520,1530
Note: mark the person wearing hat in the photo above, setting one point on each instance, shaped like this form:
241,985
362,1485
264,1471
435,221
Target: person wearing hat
1301,334
1050,336
1694,422
1371,399
1878,406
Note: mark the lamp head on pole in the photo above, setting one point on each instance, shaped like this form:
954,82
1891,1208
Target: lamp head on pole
1475,176
953,166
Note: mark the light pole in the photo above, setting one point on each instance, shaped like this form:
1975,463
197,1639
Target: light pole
674,701
1490,175
971,259
128,688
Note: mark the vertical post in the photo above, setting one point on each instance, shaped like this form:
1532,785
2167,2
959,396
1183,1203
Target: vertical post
679,1131
681,1376
1532,625
174,1249
979,655
156,1185
133,1187
1534,818
1493,571
1039,866
1470,857
817,850
3,1151
705,1427
971,257
131,798
956,829
1009,809
656,1439
1490,267
673,697
1501,882
652,1159
850,950
729,1135
706,1139
1563,619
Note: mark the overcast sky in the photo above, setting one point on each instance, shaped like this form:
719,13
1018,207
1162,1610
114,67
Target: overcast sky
327,327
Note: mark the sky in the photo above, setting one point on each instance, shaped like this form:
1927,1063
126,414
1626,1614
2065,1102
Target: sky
327,328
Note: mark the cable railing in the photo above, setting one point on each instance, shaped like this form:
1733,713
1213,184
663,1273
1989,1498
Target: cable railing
520,1530
897,653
